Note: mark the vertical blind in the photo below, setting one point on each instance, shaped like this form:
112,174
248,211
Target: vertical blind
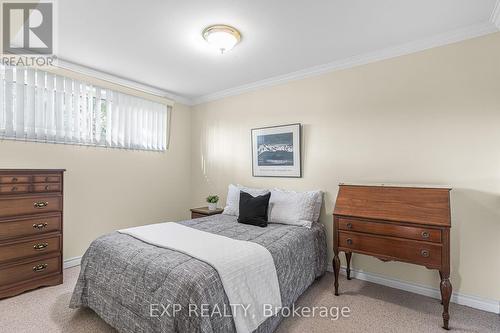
39,106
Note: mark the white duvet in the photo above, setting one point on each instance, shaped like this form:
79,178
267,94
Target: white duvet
246,269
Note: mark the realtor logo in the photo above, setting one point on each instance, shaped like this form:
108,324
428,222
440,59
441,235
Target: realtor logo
27,27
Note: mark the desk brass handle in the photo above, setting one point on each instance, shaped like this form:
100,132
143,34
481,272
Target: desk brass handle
39,226
39,268
349,225
349,241
14,179
425,253
14,188
40,204
47,187
425,234
40,246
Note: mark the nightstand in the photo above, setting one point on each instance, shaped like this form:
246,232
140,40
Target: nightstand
204,212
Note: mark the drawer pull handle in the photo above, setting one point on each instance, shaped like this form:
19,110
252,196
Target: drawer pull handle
349,241
39,268
39,226
425,253
14,179
349,225
40,246
40,204
425,234
14,189
47,187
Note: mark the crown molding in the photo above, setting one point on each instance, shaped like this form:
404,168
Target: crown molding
495,15
491,26
74,67
358,60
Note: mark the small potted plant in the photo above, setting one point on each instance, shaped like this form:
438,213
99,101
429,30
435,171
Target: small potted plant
212,202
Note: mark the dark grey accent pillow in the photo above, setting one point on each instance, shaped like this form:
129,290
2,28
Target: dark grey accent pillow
253,210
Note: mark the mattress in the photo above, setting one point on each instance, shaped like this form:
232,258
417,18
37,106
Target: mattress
135,286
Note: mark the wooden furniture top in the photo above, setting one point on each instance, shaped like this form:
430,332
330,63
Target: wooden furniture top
420,205
30,171
206,211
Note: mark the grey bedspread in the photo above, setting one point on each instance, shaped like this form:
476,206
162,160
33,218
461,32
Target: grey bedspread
122,276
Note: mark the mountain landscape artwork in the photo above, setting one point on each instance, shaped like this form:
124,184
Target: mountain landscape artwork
276,151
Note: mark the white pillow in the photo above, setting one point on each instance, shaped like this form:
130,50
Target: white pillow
295,208
317,206
233,197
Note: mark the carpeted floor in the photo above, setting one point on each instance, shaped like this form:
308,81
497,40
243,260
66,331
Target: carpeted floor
373,308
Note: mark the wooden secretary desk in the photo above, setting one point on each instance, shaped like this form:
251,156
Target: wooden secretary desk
408,224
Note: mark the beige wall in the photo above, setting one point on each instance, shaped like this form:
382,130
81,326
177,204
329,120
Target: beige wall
430,117
109,189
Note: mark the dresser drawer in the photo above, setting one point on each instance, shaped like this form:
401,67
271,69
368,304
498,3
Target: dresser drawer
30,248
14,188
29,270
49,178
47,187
30,226
423,253
32,204
13,179
390,229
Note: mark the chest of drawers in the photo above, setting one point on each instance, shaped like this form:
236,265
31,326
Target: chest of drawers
408,224
31,229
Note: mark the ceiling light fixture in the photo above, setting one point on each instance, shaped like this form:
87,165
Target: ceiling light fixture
222,37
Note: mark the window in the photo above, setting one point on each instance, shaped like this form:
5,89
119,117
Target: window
39,106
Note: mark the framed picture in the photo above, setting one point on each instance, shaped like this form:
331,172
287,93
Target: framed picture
276,151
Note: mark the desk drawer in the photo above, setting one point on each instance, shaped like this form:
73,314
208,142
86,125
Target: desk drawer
390,229
32,204
30,248
30,270
30,226
423,253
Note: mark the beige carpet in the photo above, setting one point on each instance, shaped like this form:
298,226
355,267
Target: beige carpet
373,308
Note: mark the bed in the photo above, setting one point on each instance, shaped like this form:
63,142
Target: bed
121,276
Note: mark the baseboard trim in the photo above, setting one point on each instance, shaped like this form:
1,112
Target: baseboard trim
475,302
72,262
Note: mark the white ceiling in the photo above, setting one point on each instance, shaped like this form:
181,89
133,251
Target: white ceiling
159,43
